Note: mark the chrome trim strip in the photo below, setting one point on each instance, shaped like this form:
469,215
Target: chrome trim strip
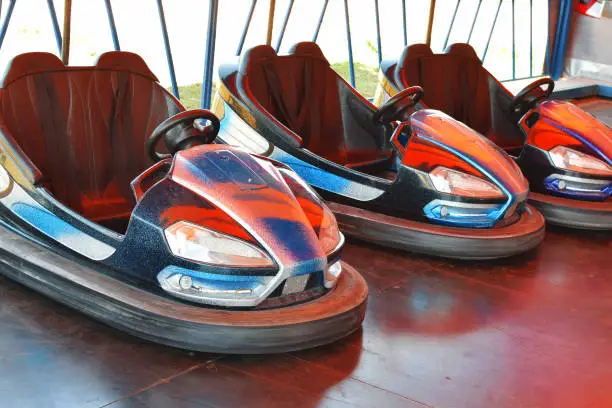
19,202
234,130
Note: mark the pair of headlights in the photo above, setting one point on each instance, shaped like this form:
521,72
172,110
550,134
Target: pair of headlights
200,244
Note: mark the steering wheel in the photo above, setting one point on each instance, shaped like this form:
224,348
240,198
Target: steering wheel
397,107
531,95
189,133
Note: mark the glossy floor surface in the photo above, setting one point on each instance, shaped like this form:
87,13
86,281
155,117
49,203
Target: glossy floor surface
531,331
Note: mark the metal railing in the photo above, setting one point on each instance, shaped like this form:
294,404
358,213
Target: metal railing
207,78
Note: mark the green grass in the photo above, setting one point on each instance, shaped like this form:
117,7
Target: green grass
365,79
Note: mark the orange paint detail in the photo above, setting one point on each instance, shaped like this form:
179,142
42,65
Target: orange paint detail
426,156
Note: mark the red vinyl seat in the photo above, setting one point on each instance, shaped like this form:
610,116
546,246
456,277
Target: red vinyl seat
456,83
84,128
303,96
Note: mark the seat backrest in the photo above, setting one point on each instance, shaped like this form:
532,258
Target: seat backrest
84,128
304,94
455,82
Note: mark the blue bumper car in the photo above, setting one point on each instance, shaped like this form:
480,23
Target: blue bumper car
419,181
200,246
565,153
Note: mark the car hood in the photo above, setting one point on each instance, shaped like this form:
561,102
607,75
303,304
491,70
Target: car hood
451,135
580,125
254,193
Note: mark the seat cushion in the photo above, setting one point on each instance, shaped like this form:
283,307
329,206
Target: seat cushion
304,94
84,128
455,82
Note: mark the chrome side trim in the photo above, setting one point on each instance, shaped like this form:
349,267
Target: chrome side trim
234,130
29,210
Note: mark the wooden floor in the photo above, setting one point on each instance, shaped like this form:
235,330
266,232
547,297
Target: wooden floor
532,331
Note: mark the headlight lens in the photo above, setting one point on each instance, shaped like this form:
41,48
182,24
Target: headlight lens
329,234
573,160
458,183
200,244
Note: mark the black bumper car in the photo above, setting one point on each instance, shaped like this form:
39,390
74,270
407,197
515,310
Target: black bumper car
206,247
422,182
565,153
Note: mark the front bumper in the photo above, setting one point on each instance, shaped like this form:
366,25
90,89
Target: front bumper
160,319
438,240
592,215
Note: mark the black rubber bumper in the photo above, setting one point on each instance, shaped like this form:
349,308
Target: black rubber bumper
161,320
592,215
447,242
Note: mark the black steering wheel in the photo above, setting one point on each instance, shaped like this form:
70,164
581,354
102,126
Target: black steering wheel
190,133
398,106
531,95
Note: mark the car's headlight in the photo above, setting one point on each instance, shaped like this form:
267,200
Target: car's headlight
458,183
329,234
573,160
200,244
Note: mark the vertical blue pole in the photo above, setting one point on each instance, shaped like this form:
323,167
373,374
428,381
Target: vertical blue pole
162,20
530,38
7,20
474,21
284,26
316,34
246,27
111,23
405,23
561,37
451,25
378,39
56,29
484,54
349,43
210,53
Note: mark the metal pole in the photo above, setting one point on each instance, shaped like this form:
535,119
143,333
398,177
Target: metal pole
513,43
451,25
7,20
270,22
55,23
316,34
162,20
405,23
378,39
491,32
246,27
111,23
210,53
349,43
66,39
284,26
530,38
474,22
432,9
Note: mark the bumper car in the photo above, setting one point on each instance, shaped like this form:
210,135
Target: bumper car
565,153
202,246
420,181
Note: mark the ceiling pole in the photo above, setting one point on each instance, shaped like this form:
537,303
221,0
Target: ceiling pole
66,36
270,22
432,9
